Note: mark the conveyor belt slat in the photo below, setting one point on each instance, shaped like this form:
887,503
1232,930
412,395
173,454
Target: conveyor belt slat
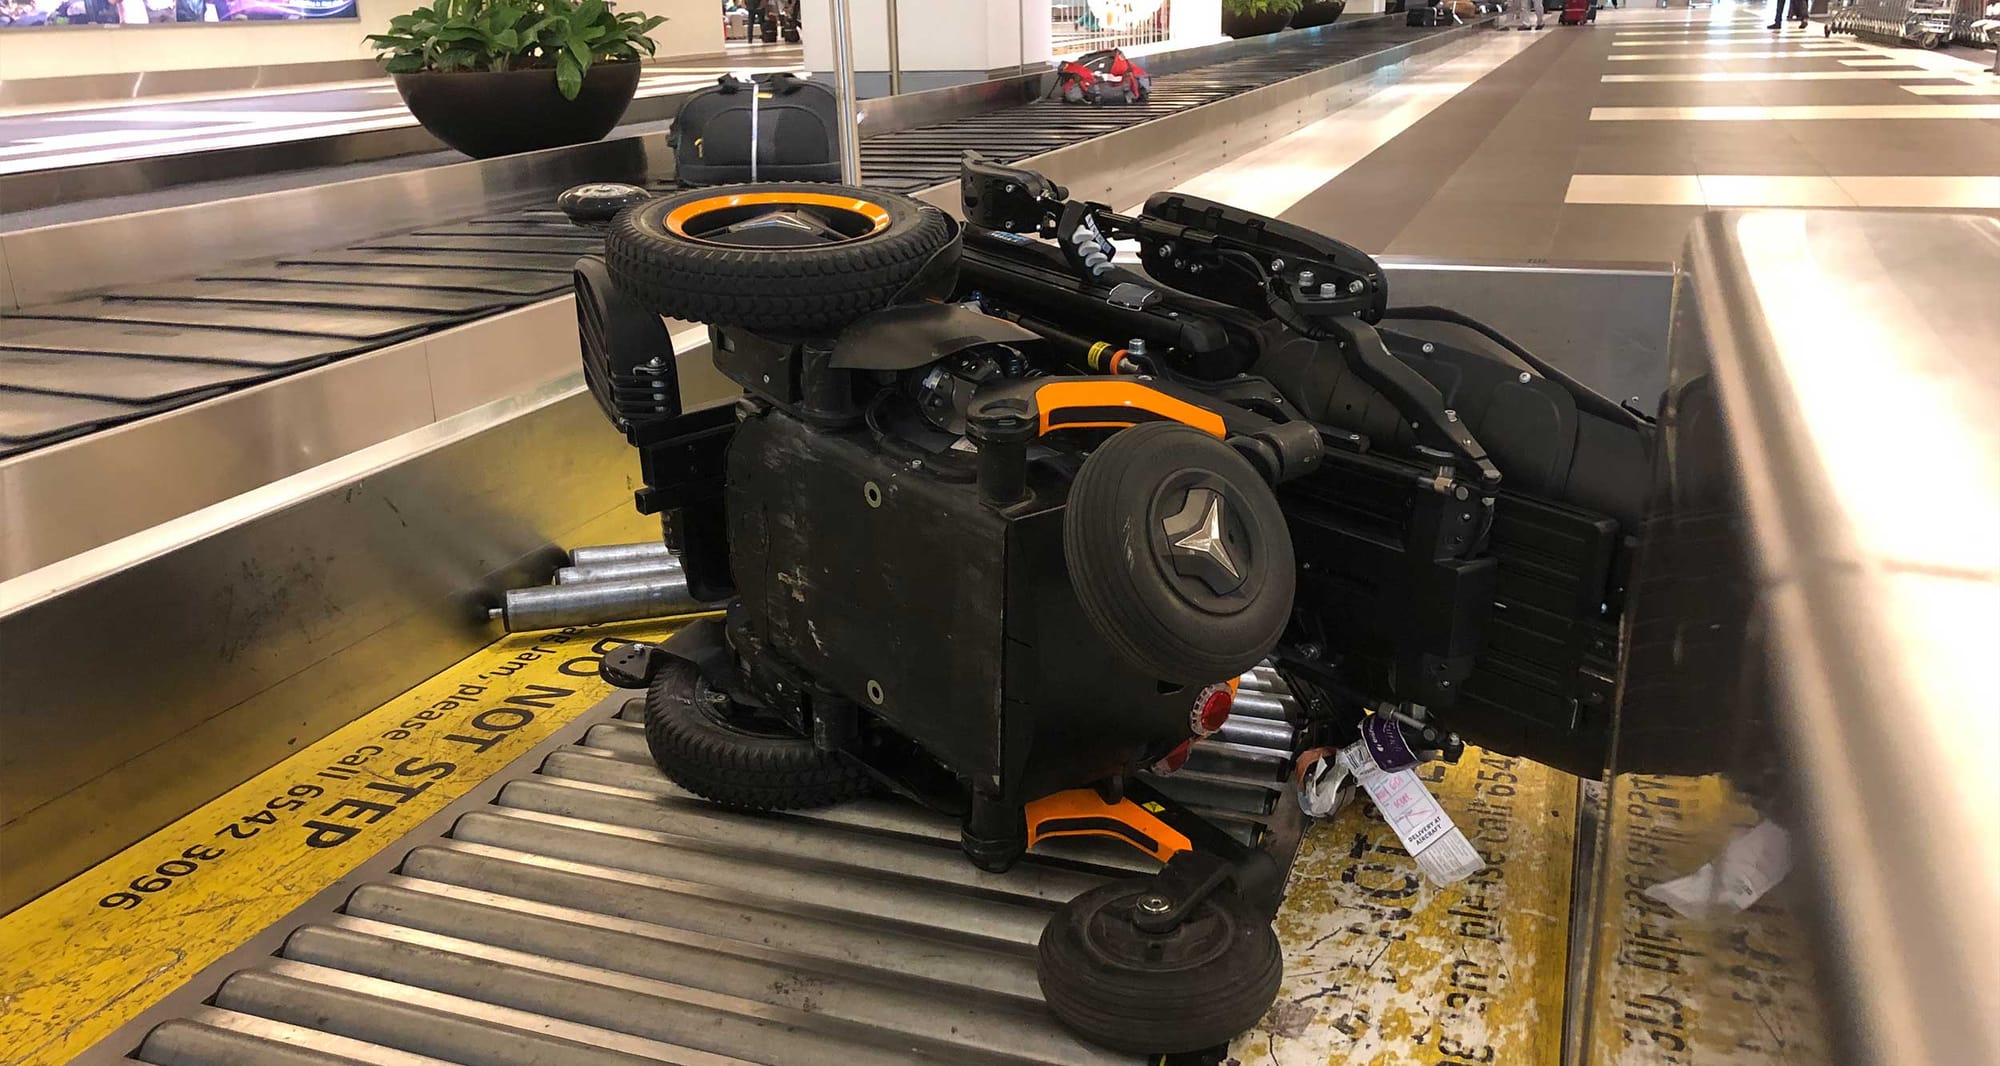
118,378
361,323
508,283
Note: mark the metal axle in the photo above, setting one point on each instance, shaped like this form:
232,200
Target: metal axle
555,606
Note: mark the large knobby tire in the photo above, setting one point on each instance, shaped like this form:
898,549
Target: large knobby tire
1192,988
805,290
1129,576
732,762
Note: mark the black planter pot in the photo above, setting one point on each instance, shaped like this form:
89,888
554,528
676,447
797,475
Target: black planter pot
1317,13
484,114
1241,26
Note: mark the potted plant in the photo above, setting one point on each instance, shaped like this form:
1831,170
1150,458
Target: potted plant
1254,18
1317,13
493,77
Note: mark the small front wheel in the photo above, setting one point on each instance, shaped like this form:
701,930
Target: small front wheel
1193,987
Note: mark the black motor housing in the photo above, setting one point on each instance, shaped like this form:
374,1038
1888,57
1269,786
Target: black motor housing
898,589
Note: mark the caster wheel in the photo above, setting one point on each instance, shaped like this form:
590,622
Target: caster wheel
734,756
1191,988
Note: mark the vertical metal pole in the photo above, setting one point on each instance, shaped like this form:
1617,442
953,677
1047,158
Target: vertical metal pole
1021,30
895,52
843,77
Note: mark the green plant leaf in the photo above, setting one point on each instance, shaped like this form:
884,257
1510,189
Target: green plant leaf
569,76
404,64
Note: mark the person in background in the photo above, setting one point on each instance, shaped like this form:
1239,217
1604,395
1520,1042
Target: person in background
1526,8
1798,11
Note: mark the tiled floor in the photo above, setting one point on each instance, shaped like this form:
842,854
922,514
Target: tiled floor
1604,143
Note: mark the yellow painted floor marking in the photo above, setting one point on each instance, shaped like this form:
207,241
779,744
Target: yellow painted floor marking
1382,967
1673,991
81,960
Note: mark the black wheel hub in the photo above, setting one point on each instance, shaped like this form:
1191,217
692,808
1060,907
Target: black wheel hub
1201,542
1112,936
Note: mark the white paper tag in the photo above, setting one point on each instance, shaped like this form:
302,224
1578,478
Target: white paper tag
1419,821
1750,866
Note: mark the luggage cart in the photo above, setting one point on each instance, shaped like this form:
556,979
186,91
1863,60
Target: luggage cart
1925,23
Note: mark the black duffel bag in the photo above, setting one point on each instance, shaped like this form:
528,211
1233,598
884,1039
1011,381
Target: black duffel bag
775,127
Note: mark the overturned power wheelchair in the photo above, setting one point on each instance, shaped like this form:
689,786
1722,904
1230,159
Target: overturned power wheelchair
998,522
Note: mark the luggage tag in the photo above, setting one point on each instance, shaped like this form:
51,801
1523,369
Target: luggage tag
1382,763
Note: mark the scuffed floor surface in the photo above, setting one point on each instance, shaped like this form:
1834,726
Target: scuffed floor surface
1382,967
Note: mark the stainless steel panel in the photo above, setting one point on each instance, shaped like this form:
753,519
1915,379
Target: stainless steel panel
550,916
58,501
1606,324
53,263
279,614
1833,464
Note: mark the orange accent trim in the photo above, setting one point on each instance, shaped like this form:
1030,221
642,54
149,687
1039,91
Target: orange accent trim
1058,395
1078,806
1117,357
677,219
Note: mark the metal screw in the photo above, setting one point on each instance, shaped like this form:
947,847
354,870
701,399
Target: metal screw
1327,291
1277,265
872,493
1305,279
1167,249
874,691
1429,347
767,379
1155,904
1526,377
1461,493
1010,188
1450,415
1356,285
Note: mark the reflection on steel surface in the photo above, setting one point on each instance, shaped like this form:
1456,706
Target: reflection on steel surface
1816,613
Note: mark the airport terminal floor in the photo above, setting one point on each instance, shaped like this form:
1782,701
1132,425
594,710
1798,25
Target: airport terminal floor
286,412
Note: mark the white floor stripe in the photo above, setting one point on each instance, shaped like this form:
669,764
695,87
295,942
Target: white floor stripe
1280,174
1814,53
1774,75
1876,61
1795,113
1698,36
1973,192
1954,90
1812,43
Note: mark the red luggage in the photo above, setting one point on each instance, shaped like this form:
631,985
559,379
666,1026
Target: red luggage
1578,12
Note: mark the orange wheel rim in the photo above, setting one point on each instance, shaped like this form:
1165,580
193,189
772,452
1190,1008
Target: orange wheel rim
853,217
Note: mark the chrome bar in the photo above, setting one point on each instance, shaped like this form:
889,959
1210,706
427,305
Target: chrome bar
612,554
554,606
843,73
895,51
584,575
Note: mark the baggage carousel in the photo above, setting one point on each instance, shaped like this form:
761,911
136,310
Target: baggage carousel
122,352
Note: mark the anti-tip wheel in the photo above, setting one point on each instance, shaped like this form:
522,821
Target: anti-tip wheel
1188,989
733,756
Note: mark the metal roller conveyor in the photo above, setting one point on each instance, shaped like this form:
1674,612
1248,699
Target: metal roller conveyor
620,554
591,913
659,594
584,575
